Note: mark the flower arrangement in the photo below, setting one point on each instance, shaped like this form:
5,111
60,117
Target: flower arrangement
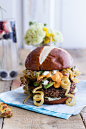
38,33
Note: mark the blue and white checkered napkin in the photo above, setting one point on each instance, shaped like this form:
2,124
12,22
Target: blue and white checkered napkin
17,96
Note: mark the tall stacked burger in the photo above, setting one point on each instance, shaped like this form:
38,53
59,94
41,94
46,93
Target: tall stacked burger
49,77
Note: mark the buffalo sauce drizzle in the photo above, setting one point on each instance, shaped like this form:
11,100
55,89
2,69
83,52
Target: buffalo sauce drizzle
55,77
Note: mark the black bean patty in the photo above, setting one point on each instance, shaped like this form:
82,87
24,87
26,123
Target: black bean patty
54,92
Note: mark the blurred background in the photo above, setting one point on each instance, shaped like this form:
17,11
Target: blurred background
67,16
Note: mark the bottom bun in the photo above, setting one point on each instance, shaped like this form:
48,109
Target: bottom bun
62,100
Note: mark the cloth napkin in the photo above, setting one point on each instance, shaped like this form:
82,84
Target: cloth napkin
17,96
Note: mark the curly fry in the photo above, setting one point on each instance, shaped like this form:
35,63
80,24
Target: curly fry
65,84
39,96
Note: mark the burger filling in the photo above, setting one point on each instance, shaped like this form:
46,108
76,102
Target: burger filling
51,85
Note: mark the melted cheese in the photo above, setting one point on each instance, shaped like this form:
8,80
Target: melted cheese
56,78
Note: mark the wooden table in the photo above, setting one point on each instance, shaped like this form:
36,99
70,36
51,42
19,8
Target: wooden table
23,119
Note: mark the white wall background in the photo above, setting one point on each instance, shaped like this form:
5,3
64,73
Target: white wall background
68,16
74,23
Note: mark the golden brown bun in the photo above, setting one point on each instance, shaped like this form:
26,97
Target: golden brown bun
48,58
60,101
46,101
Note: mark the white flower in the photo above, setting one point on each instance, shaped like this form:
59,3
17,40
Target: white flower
57,36
35,34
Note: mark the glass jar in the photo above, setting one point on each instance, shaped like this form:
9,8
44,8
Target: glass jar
8,46
42,44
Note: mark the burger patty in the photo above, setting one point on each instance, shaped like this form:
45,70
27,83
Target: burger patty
54,92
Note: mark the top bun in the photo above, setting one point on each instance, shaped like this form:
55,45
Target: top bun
48,58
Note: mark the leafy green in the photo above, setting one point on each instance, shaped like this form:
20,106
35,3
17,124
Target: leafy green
36,74
36,84
45,24
48,85
39,73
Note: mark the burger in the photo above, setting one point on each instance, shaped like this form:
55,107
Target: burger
49,76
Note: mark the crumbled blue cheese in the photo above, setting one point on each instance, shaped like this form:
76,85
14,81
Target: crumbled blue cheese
45,82
52,99
35,73
28,73
45,73
54,71
74,68
75,90
27,88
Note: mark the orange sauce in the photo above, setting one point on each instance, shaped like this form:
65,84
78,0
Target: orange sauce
55,77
